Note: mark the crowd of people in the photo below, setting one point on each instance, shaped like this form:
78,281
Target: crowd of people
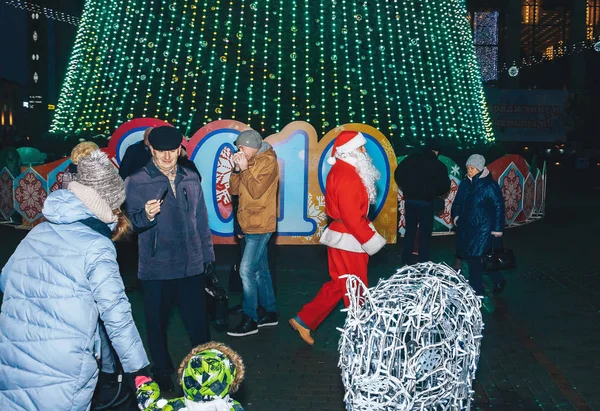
65,314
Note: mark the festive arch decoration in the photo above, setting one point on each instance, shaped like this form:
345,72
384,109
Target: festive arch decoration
303,171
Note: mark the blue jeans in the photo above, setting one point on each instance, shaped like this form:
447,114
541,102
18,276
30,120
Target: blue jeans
256,277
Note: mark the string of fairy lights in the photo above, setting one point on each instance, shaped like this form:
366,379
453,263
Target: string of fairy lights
555,52
406,67
45,11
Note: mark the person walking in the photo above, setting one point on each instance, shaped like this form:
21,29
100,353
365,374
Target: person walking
166,205
350,238
60,284
478,214
424,182
255,179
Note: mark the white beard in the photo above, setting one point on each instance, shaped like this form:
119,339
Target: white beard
366,171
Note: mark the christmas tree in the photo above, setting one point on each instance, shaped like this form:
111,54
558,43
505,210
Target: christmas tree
406,67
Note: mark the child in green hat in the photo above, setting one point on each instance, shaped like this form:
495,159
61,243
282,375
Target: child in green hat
207,374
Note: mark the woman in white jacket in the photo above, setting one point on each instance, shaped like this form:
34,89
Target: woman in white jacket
60,282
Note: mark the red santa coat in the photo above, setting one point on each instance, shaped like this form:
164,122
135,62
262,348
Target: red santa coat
347,203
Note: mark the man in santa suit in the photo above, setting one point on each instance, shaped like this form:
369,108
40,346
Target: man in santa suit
350,238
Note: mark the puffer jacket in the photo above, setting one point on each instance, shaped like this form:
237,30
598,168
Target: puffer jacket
61,280
477,210
257,190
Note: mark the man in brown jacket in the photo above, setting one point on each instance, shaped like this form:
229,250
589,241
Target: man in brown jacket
255,179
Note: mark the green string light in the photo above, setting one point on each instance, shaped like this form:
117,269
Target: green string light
277,97
321,44
238,63
406,67
132,61
265,71
308,79
182,110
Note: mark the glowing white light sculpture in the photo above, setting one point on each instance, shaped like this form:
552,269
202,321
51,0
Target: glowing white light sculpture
411,342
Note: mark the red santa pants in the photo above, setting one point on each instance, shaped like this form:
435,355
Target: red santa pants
340,263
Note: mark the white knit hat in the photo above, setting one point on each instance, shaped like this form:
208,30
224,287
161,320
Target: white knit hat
97,172
99,186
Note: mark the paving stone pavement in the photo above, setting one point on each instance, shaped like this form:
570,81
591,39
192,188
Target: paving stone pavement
541,345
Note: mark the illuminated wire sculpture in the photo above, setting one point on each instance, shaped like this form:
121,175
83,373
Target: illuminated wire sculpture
412,342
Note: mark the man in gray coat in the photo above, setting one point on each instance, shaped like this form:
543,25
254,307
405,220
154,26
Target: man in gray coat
166,206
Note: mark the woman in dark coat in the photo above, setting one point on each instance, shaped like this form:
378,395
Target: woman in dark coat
478,214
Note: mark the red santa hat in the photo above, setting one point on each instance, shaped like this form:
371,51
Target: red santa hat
346,142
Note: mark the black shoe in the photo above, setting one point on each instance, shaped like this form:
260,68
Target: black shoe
268,320
165,382
247,327
498,288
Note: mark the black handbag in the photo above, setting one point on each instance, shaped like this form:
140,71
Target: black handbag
499,258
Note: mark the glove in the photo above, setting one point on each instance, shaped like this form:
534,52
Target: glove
209,268
137,378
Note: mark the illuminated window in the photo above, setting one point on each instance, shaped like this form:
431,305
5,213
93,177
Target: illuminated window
485,35
544,31
530,11
592,19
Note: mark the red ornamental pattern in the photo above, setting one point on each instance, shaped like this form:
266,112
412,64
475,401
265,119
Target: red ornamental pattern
6,194
224,168
59,180
401,221
447,214
513,193
30,195
528,196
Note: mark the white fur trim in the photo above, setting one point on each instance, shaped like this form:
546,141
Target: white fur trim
347,242
92,200
331,160
376,243
357,141
341,241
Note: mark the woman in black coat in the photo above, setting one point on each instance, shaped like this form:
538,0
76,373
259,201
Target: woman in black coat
478,214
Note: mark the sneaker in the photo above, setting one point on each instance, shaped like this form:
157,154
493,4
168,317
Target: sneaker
165,382
268,320
247,327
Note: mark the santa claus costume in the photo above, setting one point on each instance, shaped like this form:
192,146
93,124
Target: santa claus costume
350,238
